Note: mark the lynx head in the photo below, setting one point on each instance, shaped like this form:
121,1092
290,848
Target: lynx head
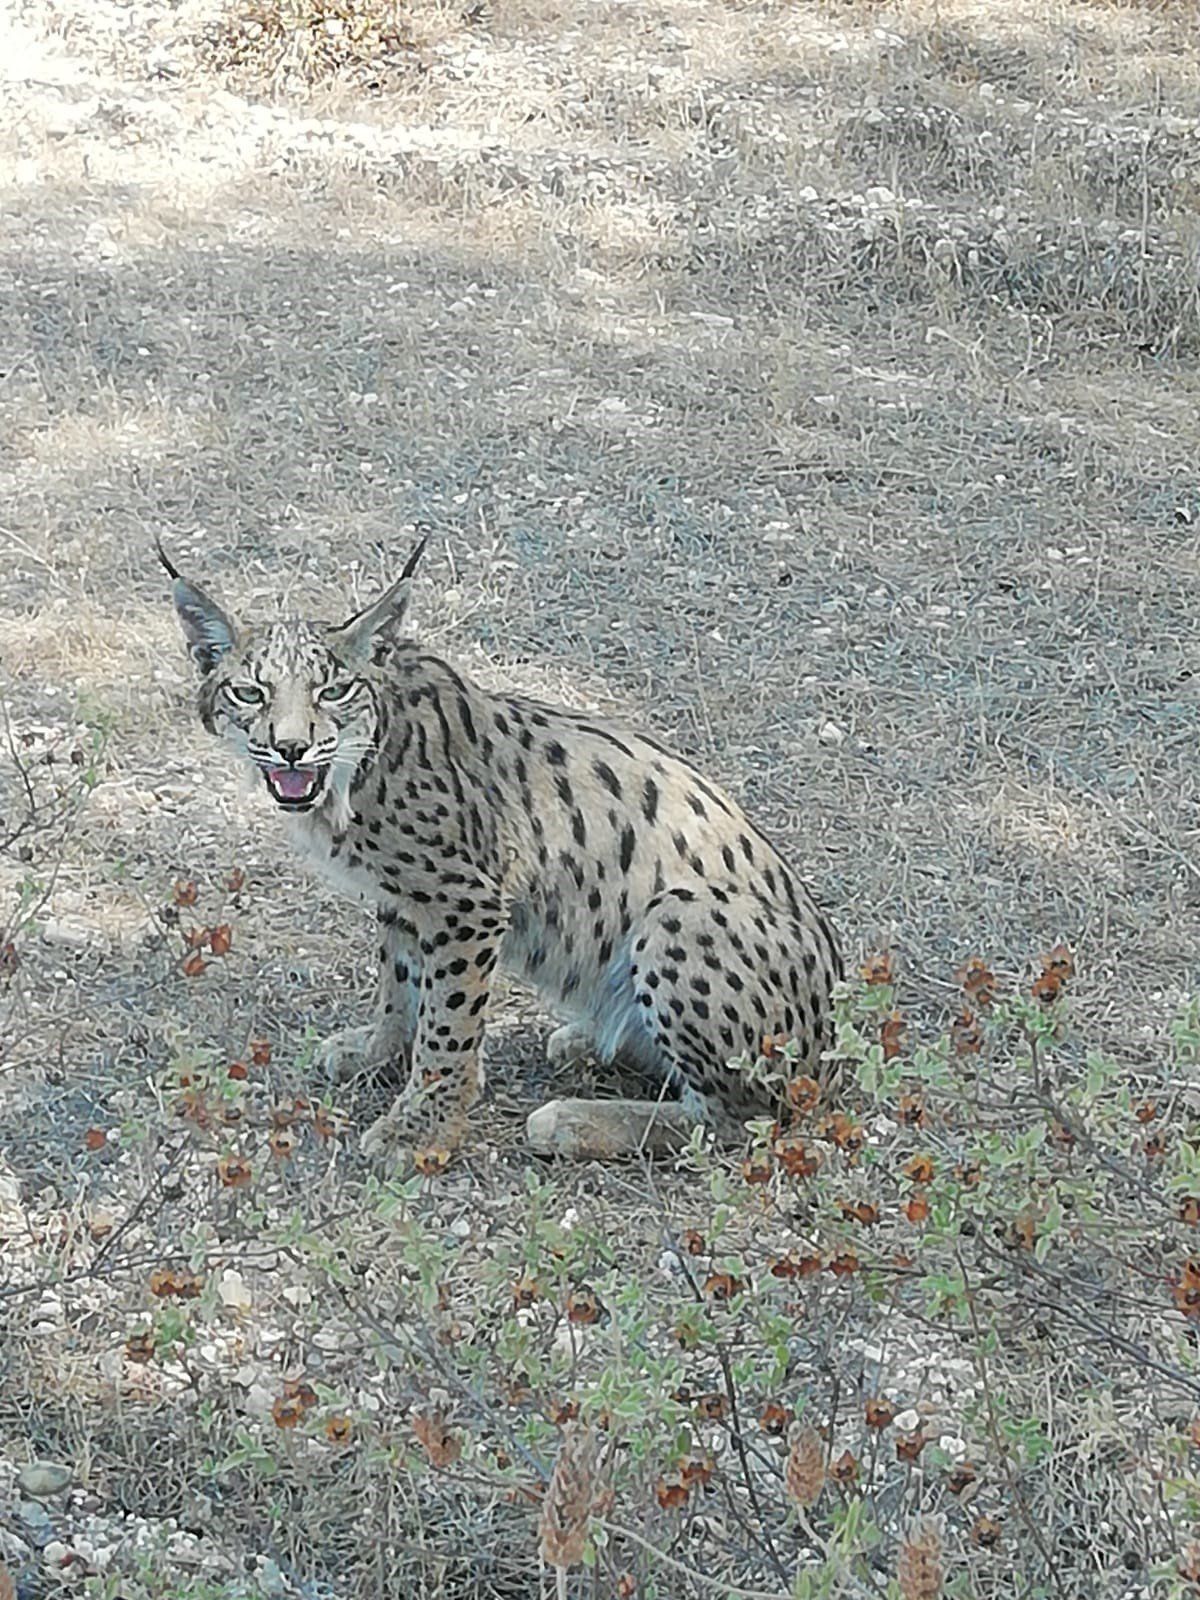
297,698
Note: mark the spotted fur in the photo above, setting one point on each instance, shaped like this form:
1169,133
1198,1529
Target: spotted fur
487,829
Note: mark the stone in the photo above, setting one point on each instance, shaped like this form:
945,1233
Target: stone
42,1480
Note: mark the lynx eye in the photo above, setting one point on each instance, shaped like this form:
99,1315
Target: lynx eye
336,694
245,694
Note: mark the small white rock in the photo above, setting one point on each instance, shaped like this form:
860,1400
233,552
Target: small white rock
831,734
233,1291
260,1400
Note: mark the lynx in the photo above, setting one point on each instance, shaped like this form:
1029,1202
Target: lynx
489,830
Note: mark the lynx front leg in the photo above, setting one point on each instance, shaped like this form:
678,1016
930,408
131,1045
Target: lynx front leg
447,1073
386,1043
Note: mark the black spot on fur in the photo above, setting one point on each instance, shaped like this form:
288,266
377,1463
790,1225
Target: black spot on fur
628,841
608,778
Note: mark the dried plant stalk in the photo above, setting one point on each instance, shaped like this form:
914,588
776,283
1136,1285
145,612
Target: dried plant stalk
569,1498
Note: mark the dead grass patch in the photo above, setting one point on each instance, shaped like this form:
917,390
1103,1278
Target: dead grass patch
291,44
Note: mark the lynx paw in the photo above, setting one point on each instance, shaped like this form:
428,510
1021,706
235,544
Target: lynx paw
410,1124
569,1045
354,1051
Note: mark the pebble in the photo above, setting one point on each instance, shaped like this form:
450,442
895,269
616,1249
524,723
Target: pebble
270,1579
36,1523
56,1553
41,1480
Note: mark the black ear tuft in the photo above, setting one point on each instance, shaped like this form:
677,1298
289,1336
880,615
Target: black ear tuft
162,556
410,566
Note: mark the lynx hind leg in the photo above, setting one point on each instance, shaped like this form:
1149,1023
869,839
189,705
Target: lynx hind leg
711,974
706,977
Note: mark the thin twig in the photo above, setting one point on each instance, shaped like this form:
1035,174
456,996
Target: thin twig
717,1585
1035,1533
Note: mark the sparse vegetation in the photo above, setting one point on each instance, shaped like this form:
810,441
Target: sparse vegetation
296,44
819,381
944,1325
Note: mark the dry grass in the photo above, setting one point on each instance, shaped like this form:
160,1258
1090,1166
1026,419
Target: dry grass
816,382
291,45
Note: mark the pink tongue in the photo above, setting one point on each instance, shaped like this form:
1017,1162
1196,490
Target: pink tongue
292,783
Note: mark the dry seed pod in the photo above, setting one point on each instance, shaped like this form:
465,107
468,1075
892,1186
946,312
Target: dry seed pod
919,1570
805,1472
568,1501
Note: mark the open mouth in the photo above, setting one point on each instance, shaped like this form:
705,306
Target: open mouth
295,788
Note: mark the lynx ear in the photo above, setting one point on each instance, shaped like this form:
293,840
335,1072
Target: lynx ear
207,629
354,639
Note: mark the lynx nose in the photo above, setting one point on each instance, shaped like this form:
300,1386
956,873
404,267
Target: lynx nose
292,751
